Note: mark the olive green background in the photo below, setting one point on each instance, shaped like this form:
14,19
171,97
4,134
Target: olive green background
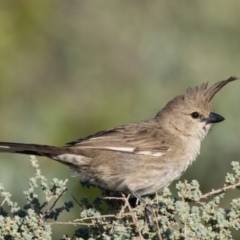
71,68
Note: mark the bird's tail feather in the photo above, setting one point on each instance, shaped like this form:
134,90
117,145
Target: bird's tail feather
30,149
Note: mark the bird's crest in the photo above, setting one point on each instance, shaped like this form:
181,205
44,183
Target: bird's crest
204,94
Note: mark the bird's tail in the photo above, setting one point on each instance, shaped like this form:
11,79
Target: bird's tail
64,155
31,149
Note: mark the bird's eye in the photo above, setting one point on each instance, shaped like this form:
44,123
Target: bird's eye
195,115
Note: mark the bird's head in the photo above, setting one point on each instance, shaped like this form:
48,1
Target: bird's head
191,114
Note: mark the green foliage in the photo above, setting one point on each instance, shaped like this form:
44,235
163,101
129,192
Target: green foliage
31,221
191,215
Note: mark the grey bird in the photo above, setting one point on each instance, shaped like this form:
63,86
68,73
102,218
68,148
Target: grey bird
143,157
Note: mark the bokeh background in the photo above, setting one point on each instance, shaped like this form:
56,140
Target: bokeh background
71,68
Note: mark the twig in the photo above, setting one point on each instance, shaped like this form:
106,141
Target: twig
94,217
133,215
55,202
71,223
79,204
4,200
220,190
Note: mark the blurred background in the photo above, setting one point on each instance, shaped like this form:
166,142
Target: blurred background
72,68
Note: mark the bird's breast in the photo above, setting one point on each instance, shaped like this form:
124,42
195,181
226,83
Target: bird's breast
191,151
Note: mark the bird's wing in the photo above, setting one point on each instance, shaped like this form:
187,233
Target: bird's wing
145,138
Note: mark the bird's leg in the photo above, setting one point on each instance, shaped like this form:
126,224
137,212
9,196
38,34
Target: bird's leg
136,195
148,208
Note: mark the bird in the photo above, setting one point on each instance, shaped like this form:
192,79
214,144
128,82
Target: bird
139,158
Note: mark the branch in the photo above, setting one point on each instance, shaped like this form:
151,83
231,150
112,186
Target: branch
220,190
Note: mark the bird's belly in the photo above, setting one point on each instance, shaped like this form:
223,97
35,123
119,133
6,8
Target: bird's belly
142,174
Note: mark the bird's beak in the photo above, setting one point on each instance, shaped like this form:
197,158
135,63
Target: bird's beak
214,118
